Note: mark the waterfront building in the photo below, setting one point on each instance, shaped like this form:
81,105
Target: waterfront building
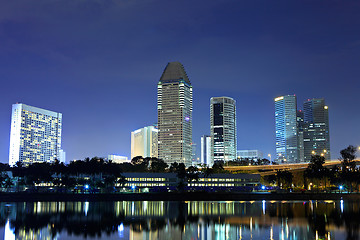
175,115
205,155
223,128
117,158
144,181
35,135
249,154
144,142
316,129
286,129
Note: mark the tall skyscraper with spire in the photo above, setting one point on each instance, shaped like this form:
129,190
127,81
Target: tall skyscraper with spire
175,115
223,128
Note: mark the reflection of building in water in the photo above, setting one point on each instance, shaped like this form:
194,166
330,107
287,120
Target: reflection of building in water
8,232
40,234
198,220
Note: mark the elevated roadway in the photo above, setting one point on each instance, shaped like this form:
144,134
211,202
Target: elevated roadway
270,169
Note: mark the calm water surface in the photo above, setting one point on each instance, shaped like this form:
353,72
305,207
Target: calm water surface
180,220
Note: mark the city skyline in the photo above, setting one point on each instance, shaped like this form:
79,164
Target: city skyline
85,59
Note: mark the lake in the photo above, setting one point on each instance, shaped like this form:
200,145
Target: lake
181,220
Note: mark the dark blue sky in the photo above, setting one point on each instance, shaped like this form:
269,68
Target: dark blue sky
98,62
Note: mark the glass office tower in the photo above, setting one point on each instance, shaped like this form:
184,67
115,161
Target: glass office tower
175,115
286,129
223,128
35,135
316,129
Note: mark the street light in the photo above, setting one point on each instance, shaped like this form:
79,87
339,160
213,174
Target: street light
269,155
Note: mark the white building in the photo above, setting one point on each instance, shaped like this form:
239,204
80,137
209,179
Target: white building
205,156
144,142
35,134
117,158
249,154
62,156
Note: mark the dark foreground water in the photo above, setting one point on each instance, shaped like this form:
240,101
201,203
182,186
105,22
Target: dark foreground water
180,220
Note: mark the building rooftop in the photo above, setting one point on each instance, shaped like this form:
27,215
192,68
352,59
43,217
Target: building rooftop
174,71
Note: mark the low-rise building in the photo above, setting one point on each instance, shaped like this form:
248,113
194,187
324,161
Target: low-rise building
170,181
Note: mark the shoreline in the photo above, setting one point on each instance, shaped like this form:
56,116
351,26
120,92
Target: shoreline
175,196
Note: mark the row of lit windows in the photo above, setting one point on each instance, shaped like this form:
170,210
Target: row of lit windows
145,179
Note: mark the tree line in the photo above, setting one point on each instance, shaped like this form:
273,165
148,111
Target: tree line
94,173
317,177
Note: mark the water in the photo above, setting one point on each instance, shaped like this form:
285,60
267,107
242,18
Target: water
180,220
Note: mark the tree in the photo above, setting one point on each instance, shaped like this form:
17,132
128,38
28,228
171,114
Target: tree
347,158
192,174
158,165
284,178
316,170
349,172
218,167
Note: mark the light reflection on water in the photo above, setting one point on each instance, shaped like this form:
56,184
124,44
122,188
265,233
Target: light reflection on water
285,220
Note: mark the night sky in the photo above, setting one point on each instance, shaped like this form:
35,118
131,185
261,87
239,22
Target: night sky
98,62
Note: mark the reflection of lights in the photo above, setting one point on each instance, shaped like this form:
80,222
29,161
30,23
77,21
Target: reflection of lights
342,206
86,208
271,233
8,232
121,230
264,206
251,225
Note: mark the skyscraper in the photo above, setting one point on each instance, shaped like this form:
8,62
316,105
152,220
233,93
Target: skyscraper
175,115
286,129
144,142
35,135
316,129
223,128
300,126
205,155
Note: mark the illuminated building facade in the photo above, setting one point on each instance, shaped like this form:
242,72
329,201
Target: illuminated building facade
117,158
316,129
144,142
223,128
249,154
286,129
300,126
205,156
35,135
170,181
175,115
